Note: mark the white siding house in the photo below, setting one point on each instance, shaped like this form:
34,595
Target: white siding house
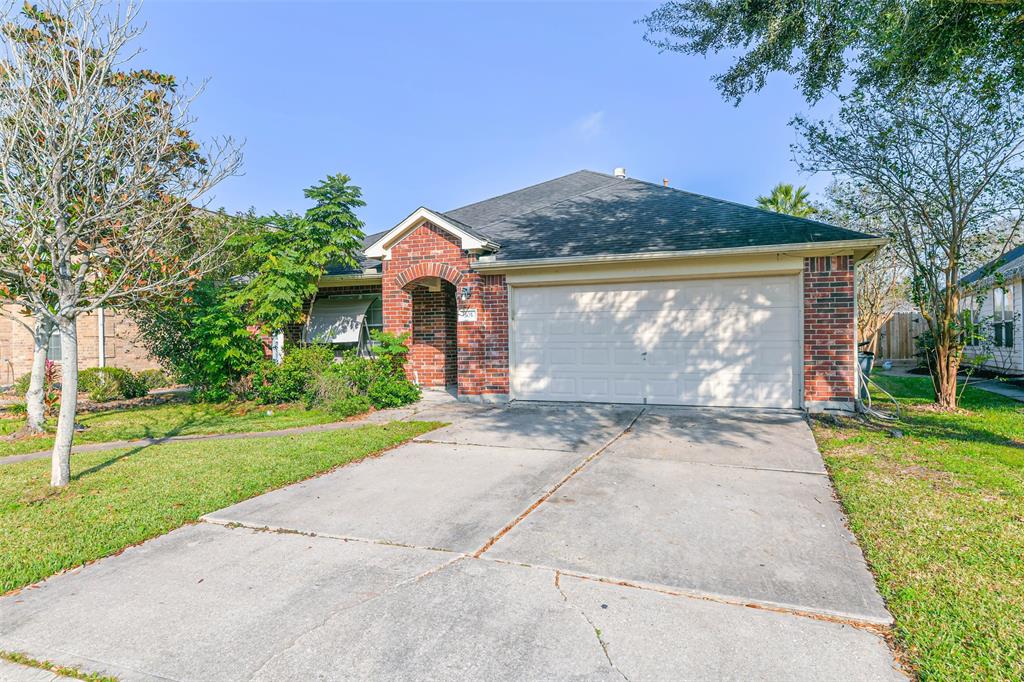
1001,314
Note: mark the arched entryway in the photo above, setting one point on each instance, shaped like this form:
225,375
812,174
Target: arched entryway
434,351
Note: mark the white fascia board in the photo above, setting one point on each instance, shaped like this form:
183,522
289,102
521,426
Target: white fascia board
382,247
860,248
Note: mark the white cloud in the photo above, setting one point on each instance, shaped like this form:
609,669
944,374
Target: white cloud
589,126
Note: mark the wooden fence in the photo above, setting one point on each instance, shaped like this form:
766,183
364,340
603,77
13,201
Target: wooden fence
896,338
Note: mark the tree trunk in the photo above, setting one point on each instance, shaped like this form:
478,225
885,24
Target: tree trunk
35,397
944,378
60,465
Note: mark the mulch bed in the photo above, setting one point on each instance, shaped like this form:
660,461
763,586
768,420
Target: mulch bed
85,405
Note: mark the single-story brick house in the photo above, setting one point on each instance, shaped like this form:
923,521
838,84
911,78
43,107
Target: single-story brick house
603,288
1000,309
105,339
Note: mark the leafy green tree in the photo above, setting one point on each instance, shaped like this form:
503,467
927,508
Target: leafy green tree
786,198
284,255
820,42
943,170
211,338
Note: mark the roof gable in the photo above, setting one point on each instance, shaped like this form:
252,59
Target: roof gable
469,238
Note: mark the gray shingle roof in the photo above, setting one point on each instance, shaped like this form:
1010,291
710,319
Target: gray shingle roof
1009,264
593,214
590,214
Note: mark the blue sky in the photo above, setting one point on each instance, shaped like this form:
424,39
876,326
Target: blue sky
442,104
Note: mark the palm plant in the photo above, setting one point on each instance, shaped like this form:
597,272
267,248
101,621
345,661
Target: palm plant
787,199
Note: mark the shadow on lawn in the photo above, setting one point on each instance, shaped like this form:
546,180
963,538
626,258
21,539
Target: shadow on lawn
96,468
1001,422
153,439
942,427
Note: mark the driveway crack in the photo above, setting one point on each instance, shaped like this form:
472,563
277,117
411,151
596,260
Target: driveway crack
330,616
597,630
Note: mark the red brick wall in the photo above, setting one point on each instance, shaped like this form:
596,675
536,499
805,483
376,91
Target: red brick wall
829,331
482,346
121,345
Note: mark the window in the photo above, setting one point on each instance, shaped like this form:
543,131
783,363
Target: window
375,315
972,332
53,347
344,321
1002,317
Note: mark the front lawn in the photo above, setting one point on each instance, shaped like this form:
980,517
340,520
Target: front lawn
118,498
940,515
175,419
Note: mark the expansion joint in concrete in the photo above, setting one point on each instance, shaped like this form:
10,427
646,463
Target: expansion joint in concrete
568,477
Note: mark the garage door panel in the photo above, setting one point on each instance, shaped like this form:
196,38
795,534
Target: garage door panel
706,342
594,388
562,356
627,390
594,356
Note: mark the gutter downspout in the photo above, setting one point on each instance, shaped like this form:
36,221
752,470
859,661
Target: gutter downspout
101,337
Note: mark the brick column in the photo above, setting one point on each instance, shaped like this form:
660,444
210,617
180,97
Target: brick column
829,334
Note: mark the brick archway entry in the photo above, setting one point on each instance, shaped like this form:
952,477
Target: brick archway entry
426,280
434,351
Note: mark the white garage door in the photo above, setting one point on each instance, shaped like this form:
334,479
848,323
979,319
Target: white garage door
728,341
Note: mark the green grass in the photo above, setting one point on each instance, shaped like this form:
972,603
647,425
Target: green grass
176,419
118,498
61,670
940,515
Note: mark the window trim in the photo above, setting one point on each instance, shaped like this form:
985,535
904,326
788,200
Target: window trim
1002,316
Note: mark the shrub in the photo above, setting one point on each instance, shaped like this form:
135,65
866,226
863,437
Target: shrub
202,338
154,378
392,391
104,384
349,406
391,351
292,380
18,408
358,371
51,384
330,385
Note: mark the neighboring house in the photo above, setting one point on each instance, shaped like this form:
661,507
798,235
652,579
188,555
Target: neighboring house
1000,312
602,288
112,345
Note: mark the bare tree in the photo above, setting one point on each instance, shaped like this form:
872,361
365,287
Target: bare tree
945,165
99,175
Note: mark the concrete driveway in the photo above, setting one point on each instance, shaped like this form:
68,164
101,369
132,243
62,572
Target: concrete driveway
528,542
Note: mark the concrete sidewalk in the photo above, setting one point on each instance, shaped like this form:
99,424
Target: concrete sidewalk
428,405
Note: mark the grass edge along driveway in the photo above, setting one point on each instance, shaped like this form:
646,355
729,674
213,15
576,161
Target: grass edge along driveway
172,419
119,498
939,513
